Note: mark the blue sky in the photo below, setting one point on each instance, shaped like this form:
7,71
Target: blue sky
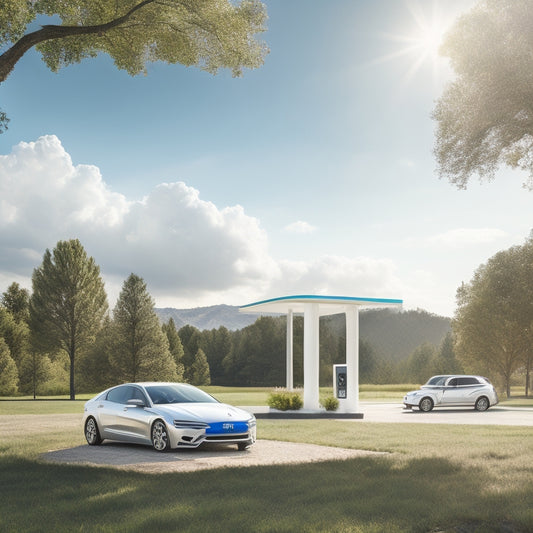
312,174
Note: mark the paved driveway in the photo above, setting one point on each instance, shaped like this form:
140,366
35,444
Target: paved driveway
145,459
394,412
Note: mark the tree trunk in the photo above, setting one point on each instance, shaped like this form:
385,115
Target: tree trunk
72,390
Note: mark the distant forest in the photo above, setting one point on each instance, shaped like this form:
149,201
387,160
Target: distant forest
394,347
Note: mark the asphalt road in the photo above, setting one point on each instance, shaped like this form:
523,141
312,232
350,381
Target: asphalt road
394,412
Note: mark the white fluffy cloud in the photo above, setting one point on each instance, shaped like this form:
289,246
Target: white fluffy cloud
189,251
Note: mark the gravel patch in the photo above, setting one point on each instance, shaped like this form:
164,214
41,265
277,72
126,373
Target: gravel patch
145,459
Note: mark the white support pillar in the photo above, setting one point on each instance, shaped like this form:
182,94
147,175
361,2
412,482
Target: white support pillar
290,352
311,356
351,403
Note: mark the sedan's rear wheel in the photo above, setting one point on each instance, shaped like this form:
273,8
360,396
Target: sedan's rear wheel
160,440
91,432
426,404
482,404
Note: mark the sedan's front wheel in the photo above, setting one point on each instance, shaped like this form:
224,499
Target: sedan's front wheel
160,440
482,404
91,432
426,404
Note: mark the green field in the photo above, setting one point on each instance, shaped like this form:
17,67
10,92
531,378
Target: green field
233,395
437,478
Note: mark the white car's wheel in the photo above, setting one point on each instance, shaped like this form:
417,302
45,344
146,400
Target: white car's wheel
91,432
426,404
482,404
160,440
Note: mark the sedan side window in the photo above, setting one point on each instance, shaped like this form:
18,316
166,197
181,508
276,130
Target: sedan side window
137,394
118,395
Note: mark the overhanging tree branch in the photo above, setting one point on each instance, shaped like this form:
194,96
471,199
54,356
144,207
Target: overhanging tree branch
10,57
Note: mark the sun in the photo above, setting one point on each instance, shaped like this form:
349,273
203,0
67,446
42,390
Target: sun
421,36
428,33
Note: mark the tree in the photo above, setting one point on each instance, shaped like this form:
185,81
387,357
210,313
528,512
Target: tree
258,357
525,313
190,339
494,318
8,371
420,364
446,361
368,362
140,351
217,345
199,372
68,303
485,117
15,334
210,34
35,370
17,301
95,371
175,346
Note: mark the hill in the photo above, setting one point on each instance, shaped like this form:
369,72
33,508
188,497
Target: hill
392,334
397,334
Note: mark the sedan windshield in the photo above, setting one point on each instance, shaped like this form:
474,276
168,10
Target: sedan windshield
164,394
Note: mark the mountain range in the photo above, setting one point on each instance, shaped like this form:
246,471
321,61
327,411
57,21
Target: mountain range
211,317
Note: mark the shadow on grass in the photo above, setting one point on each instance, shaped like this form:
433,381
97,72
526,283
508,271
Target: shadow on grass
366,495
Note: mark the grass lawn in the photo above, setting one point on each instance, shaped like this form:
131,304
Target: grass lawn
437,477
233,395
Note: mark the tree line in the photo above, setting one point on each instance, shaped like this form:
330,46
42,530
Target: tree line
62,337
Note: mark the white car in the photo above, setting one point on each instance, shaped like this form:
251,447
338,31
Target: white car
165,416
450,391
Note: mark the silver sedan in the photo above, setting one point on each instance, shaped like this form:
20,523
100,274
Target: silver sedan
449,391
165,416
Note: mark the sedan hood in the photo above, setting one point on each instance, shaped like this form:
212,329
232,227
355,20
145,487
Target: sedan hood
205,412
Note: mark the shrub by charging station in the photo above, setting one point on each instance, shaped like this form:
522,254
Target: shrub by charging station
285,401
330,403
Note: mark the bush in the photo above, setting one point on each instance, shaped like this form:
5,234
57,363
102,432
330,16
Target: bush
330,403
284,401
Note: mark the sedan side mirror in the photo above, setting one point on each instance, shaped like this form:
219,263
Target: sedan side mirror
136,403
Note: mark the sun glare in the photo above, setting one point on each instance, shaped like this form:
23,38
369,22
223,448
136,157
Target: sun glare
420,39
428,32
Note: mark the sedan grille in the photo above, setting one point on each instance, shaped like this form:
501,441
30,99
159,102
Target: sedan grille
189,424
